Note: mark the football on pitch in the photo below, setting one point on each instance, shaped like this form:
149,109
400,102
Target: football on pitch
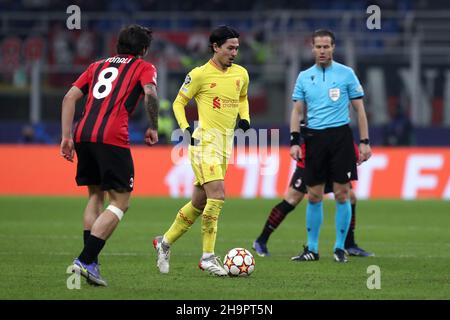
239,262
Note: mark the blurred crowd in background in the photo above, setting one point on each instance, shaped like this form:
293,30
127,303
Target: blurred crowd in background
214,5
404,67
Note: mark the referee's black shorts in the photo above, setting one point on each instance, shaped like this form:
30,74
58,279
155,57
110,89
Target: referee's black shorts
298,182
330,156
104,165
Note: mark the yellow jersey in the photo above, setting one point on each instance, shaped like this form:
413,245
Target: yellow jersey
220,97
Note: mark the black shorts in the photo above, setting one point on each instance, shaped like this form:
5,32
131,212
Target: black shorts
104,165
298,183
330,156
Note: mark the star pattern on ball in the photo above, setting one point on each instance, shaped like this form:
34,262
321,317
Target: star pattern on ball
229,262
243,268
241,253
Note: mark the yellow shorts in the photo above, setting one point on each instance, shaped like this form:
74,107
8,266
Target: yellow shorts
207,168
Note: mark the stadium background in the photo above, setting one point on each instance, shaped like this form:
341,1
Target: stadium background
404,68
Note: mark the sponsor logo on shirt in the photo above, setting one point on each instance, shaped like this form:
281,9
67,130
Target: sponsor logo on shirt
216,103
225,103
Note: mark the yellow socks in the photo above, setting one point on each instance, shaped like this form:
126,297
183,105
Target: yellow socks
209,223
186,218
183,221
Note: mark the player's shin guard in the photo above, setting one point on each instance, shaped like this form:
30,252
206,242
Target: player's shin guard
184,220
343,217
209,223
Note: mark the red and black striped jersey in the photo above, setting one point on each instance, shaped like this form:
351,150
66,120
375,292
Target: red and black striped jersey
301,162
114,87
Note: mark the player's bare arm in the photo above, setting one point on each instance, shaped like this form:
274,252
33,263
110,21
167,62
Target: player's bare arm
364,149
151,104
68,111
297,115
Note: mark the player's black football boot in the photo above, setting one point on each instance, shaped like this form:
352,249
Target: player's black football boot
340,256
306,255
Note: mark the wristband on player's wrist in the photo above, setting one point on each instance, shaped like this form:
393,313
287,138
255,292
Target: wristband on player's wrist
364,141
295,138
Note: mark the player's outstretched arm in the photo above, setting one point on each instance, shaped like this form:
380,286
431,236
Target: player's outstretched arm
67,114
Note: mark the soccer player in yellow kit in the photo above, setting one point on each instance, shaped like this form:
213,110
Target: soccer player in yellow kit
219,88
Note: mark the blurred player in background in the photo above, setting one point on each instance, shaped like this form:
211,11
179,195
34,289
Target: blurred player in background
219,88
295,195
326,90
100,139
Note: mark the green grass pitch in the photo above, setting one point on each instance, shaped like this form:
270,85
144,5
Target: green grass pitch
39,237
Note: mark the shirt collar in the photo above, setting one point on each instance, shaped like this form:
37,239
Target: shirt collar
327,68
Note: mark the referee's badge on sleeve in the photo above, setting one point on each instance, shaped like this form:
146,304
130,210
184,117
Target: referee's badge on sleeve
334,93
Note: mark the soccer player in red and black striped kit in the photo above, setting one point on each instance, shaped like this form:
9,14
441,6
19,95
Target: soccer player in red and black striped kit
295,195
113,87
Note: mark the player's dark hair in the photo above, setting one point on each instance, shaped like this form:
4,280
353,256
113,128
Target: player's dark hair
220,35
324,33
134,39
